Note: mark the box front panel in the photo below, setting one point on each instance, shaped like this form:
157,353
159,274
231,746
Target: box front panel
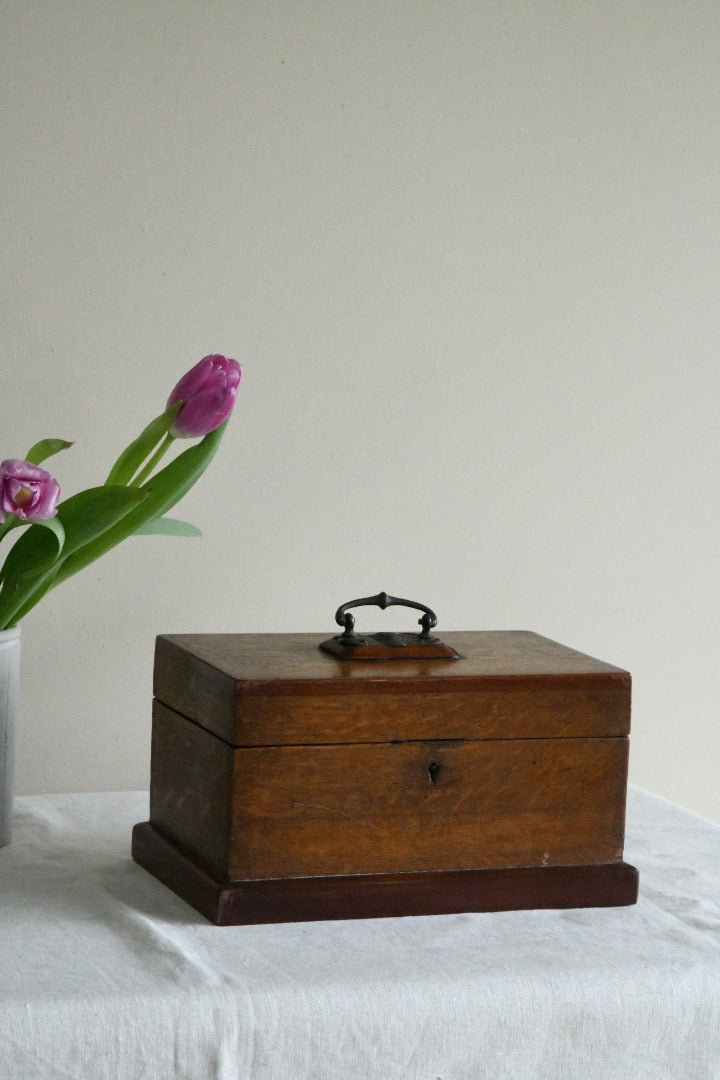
588,708
436,805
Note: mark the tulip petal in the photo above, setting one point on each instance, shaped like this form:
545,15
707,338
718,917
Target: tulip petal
27,491
203,413
192,381
207,395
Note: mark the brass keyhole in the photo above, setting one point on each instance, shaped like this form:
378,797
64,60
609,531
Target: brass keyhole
432,771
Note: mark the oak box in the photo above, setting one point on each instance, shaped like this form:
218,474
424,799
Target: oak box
290,782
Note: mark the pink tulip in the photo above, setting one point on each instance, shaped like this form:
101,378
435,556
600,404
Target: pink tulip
27,491
208,393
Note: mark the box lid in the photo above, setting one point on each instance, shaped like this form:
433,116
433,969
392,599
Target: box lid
277,689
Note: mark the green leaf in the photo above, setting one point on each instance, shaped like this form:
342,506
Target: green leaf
166,526
135,454
96,521
34,562
44,449
11,522
162,491
33,552
55,525
89,514
43,586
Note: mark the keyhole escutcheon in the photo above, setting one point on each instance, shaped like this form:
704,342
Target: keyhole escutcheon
433,770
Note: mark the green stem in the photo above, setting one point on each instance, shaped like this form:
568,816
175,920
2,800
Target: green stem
167,488
145,472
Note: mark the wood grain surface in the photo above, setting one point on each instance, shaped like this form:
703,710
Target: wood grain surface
381,895
268,689
286,781
383,808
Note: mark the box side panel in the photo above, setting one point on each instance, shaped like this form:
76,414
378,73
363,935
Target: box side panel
190,788
194,687
591,708
372,809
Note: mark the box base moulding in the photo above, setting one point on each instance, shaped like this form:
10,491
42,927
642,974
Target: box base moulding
369,896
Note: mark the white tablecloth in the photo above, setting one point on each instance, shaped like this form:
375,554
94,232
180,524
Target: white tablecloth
106,974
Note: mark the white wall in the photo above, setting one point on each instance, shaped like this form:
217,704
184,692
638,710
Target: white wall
468,253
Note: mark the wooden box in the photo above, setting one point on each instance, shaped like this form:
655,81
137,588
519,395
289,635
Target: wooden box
292,784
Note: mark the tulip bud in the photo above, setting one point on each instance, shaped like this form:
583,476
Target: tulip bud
207,393
27,491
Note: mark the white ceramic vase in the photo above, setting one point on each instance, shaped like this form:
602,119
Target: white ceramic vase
9,696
